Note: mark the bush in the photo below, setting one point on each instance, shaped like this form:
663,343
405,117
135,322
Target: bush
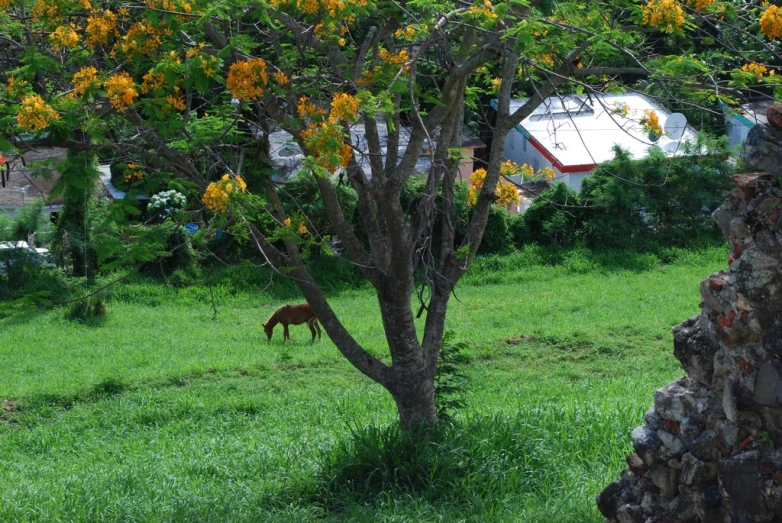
554,218
88,309
496,236
644,205
657,201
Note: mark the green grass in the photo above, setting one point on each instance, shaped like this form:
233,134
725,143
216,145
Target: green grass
162,413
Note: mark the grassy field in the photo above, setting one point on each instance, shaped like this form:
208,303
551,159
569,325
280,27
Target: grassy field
165,413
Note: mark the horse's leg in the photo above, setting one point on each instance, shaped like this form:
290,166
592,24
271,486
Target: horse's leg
286,334
317,327
312,329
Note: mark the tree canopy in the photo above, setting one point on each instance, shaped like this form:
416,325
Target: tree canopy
194,89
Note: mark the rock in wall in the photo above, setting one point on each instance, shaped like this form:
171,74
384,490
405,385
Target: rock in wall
711,445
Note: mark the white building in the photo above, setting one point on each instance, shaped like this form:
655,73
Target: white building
573,134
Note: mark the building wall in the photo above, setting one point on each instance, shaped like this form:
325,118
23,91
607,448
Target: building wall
737,131
574,179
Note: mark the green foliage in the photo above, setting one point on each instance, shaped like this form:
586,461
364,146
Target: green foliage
30,219
450,380
649,205
496,236
77,186
656,200
554,218
90,309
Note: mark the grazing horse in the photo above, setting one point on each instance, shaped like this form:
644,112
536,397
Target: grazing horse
292,314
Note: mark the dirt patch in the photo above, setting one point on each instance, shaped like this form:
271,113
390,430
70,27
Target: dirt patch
10,406
8,411
519,339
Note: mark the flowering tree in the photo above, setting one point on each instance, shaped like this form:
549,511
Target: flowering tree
194,88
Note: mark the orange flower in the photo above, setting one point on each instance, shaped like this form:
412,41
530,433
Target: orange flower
246,78
121,91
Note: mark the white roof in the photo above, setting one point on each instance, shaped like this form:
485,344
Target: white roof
105,177
582,130
288,157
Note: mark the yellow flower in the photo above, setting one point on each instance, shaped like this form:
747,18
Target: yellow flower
771,22
756,69
246,78
665,15
281,78
287,222
121,91
64,36
35,114
651,123
84,79
302,229
343,107
100,25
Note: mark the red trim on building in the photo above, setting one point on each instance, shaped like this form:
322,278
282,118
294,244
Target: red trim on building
556,163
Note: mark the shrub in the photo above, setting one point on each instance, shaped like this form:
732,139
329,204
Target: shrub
496,236
554,218
87,309
656,201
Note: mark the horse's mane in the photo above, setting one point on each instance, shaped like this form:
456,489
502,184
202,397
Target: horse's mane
274,315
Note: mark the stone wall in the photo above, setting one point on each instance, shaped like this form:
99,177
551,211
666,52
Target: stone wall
708,448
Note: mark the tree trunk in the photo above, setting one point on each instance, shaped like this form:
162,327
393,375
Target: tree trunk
413,392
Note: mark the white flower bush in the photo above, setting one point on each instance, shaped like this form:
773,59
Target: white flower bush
167,203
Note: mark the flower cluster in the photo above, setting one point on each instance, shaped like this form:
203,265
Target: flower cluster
651,122
756,69
505,192
35,114
281,78
100,26
152,81
509,168
343,107
312,7
132,174
175,101
620,109
308,109
218,194
408,33
167,203
121,91
141,40
771,22
84,79
16,89
169,5
484,11
699,4
246,77
665,15
205,62
300,227
64,36
389,67
326,141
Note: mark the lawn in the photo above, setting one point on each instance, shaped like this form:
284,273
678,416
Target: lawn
168,412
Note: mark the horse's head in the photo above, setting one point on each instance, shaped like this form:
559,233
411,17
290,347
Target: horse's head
268,329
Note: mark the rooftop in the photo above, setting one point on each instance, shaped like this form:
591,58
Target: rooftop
288,157
582,130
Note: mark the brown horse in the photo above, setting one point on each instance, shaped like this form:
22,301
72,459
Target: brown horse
292,315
